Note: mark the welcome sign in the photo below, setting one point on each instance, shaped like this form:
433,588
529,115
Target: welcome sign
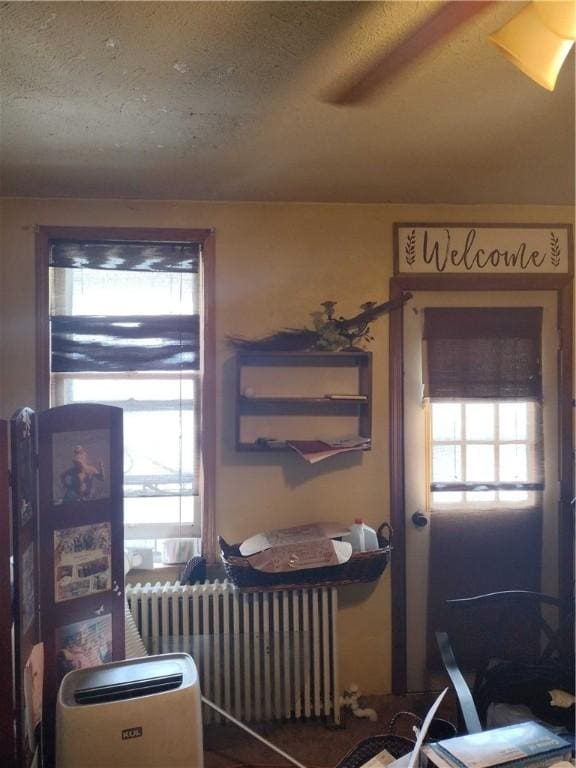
521,249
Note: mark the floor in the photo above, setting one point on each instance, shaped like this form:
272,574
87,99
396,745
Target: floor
314,743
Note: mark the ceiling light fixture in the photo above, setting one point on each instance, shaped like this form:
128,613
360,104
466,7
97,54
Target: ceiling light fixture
538,39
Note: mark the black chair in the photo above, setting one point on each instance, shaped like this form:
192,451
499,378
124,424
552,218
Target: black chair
468,720
507,680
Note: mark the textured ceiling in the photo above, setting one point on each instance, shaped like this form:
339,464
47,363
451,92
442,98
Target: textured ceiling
219,101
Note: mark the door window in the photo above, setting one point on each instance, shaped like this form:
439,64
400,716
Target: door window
484,452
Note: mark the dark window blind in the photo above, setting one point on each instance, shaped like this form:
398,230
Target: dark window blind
124,343
81,343
491,353
131,256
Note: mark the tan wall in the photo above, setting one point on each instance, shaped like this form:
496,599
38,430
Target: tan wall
275,263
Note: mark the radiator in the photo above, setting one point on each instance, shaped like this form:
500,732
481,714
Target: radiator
260,655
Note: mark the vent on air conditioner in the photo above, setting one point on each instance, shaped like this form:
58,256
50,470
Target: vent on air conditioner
127,690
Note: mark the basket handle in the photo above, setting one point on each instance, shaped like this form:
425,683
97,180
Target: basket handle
417,720
384,535
227,549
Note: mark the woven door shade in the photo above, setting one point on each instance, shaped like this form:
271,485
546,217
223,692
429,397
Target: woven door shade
477,352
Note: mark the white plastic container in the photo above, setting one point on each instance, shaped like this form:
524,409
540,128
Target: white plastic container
361,536
177,551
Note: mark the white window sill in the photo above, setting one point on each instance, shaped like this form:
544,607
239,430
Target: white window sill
159,572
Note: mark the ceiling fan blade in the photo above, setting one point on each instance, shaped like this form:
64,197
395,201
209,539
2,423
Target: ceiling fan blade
450,15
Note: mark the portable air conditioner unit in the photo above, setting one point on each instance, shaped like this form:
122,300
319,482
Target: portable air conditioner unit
143,713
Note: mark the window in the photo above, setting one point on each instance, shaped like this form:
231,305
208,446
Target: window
483,452
484,387
127,327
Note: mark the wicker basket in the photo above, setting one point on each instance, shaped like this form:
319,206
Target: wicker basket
398,746
361,568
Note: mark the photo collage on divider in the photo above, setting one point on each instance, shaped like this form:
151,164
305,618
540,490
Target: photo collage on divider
25,471
82,561
86,643
82,553
28,593
80,466
33,674
25,474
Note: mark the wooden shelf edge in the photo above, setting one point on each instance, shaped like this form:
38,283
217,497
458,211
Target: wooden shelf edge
348,400
253,448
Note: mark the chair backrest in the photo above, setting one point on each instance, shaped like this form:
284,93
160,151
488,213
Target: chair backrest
505,672
517,615
463,692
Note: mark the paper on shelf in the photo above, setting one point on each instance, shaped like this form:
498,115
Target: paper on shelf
318,450
317,553
293,535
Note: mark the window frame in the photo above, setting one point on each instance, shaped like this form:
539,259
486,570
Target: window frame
206,237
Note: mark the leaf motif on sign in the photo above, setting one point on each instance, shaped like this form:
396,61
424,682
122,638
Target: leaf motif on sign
555,250
410,249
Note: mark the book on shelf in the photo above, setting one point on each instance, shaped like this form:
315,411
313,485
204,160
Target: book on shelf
523,745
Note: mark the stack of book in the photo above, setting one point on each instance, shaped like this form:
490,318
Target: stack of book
525,745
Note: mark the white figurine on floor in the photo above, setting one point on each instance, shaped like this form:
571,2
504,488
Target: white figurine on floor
350,699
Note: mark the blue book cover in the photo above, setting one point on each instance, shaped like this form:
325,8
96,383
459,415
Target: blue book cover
523,744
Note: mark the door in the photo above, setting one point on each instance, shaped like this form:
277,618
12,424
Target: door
417,466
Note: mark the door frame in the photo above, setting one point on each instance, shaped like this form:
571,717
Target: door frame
400,285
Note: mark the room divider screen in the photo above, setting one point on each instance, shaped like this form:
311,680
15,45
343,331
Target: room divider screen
67,522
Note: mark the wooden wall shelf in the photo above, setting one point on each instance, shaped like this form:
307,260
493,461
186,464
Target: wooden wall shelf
284,396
